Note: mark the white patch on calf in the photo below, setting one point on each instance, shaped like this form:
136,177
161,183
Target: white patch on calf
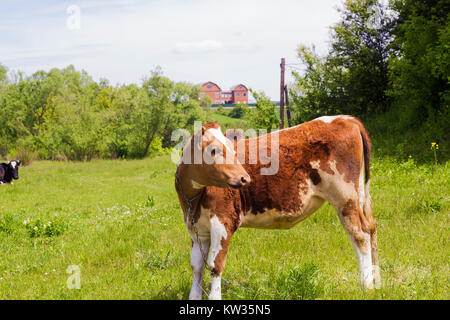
364,256
333,187
218,232
217,133
13,164
198,267
329,119
216,289
361,188
202,239
202,225
276,219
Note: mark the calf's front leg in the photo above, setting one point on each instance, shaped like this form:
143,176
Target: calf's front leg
200,249
220,240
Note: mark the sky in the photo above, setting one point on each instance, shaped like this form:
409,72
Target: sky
227,42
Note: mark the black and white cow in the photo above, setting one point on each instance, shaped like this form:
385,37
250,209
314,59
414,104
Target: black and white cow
9,171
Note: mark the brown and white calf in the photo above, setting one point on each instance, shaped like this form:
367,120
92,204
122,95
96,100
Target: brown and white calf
326,159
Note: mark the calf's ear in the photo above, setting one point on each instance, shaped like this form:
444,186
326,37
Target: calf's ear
19,162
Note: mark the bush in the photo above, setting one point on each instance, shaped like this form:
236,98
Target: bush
26,156
3,147
24,151
238,111
50,229
220,110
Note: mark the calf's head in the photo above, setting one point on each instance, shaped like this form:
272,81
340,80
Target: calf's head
13,168
213,160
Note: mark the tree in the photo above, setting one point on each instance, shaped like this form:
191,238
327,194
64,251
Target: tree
168,106
3,74
263,116
360,48
309,92
353,77
64,114
420,68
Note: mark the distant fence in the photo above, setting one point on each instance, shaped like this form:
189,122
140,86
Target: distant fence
250,105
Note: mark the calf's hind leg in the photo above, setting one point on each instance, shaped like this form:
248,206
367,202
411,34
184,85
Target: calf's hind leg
357,228
375,266
368,213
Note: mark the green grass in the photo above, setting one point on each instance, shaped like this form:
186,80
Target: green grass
225,121
120,222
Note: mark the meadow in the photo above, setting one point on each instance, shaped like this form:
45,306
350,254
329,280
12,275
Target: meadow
120,222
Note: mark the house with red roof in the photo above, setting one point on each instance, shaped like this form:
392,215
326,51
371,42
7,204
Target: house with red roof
237,94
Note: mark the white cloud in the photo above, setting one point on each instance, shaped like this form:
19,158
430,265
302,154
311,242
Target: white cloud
202,46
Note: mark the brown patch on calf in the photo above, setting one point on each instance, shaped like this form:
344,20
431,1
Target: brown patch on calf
352,211
210,125
234,134
226,205
219,261
355,222
196,206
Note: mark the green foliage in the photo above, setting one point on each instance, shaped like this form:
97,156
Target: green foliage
263,115
220,110
206,102
430,205
420,69
7,224
157,262
360,48
309,92
226,122
238,111
64,115
389,66
3,74
150,202
352,78
37,228
26,155
300,283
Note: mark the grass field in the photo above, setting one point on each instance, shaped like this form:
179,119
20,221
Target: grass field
120,222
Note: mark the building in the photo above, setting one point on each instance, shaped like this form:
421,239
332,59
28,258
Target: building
237,94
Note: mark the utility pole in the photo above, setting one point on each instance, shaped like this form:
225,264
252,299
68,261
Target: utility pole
282,65
288,110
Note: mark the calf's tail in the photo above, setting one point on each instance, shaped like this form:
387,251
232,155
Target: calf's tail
367,205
